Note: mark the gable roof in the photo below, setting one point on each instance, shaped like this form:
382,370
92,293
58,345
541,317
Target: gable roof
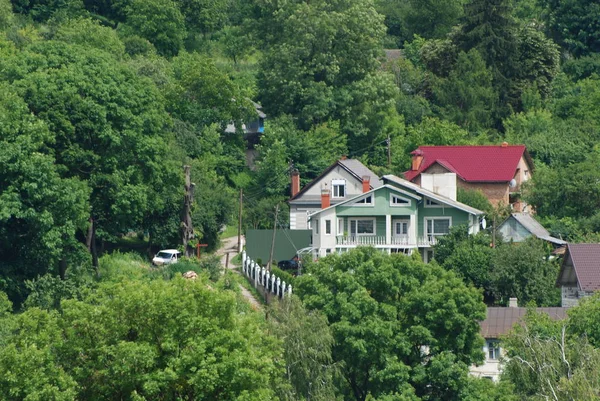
584,259
354,198
352,166
534,227
432,195
473,163
500,320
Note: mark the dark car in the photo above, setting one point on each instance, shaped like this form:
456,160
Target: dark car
288,265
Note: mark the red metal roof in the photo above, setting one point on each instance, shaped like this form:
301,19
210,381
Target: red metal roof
473,163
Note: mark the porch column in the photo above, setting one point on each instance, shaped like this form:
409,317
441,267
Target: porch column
412,230
388,229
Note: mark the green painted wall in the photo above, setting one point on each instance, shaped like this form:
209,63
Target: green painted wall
458,216
381,208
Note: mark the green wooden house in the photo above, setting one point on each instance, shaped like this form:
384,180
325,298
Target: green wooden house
397,217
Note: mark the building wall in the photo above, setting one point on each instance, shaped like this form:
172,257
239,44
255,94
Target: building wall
495,192
458,217
571,295
299,212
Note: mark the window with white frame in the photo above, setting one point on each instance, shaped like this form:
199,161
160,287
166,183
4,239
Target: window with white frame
396,200
493,350
340,226
316,226
327,227
338,188
367,200
431,203
437,226
364,226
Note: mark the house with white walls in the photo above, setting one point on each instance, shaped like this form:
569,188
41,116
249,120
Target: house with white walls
345,179
396,217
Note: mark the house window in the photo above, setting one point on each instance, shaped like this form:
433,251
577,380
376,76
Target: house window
328,251
338,188
327,227
399,201
316,226
367,200
362,226
493,350
438,226
430,203
340,226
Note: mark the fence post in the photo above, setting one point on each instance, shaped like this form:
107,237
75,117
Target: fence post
267,278
273,283
283,288
255,274
289,289
278,283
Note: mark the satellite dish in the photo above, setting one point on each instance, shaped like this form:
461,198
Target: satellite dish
483,223
512,183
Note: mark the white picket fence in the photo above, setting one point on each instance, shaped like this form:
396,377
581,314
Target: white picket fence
263,278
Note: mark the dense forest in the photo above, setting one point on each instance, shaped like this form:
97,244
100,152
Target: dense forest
102,103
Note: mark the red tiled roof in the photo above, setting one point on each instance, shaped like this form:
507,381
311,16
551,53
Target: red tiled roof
473,163
586,262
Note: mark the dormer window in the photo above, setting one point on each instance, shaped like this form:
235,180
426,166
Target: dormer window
396,200
338,188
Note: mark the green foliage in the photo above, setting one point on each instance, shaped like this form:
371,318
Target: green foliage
43,10
467,96
6,14
140,340
204,16
575,24
525,271
474,198
88,33
546,359
159,21
307,344
382,310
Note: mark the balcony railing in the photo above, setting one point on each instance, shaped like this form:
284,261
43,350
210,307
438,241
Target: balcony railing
378,240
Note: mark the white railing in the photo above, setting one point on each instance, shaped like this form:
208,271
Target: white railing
378,240
263,278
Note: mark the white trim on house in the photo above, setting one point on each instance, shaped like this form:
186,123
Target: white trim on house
368,200
405,202
357,219
433,218
340,226
431,204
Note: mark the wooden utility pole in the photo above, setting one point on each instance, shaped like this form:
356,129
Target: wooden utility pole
240,222
187,229
273,240
389,151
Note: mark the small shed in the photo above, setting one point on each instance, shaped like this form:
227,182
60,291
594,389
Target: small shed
520,226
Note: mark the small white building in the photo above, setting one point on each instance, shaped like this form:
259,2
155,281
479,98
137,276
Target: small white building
499,322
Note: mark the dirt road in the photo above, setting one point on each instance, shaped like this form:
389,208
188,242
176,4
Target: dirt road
230,245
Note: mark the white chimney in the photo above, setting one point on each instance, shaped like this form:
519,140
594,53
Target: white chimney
442,184
513,303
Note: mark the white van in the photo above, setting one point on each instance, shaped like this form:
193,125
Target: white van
166,257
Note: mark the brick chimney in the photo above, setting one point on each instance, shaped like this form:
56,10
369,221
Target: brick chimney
417,158
504,144
295,182
366,181
325,197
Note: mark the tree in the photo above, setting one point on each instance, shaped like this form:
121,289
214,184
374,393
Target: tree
467,97
141,339
574,24
329,72
431,18
159,21
110,130
307,343
400,326
88,33
41,212
525,272
204,16
6,14
546,361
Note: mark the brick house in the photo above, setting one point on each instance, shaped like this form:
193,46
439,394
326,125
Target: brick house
497,171
579,274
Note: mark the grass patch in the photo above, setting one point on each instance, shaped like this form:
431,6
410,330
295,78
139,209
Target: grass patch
230,231
244,282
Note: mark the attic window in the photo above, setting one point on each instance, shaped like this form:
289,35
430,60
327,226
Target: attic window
338,188
367,200
399,201
430,203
